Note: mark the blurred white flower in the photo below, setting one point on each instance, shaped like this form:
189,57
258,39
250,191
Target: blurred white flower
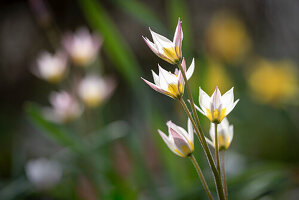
216,107
65,107
170,51
225,133
82,46
171,84
179,140
43,173
93,90
51,67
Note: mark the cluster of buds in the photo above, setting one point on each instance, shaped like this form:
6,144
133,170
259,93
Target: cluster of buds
81,48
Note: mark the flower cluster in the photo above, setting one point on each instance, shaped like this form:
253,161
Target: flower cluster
80,49
215,107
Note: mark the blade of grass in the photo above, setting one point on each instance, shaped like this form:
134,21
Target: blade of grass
140,12
116,47
53,131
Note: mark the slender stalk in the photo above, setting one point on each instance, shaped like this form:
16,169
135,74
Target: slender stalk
201,136
224,176
207,152
217,149
200,174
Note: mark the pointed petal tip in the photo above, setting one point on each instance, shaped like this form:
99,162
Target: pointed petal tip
144,38
168,123
160,132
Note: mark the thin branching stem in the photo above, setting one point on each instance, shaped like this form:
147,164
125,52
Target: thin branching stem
201,136
201,176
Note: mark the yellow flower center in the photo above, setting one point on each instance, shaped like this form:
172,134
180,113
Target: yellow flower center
185,151
170,53
175,90
223,142
55,78
216,117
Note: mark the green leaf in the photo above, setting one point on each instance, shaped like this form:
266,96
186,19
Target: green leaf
141,13
108,134
118,50
116,47
15,189
54,131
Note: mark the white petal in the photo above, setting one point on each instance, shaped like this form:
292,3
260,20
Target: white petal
224,124
178,35
168,142
228,98
156,78
166,78
190,131
151,45
216,99
212,131
180,141
178,129
161,41
231,107
210,142
204,100
199,109
190,70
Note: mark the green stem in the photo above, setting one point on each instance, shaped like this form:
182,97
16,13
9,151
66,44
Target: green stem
201,136
200,174
224,176
217,149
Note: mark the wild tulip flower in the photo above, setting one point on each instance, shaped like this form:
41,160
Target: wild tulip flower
65,108
82,46
179,140
216,107
93,90
170,51
225,133
51,67
171,84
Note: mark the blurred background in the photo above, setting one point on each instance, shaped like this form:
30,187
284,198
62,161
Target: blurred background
107,146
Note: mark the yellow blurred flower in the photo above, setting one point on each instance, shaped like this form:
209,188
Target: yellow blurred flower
227,37
217,76
273,81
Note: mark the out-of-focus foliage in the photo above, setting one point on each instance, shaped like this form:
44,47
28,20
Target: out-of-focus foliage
113,150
